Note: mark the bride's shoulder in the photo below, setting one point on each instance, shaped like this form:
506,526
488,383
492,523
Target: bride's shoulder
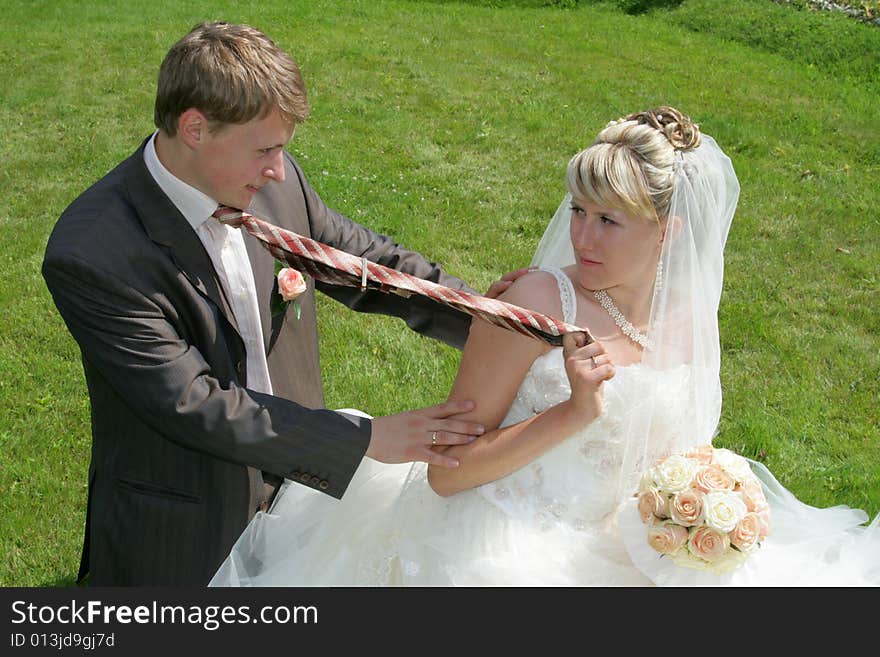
537,290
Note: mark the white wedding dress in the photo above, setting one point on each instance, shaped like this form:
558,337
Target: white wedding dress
557,521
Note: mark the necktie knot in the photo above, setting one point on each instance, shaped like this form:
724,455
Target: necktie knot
230,216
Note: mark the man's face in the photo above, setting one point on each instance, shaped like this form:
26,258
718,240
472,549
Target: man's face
233,163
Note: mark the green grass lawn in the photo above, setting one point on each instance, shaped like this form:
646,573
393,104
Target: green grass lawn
449,126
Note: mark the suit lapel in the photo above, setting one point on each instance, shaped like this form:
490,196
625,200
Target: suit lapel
283,205
165,225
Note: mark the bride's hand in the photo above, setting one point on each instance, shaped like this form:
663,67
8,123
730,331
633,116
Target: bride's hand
587,367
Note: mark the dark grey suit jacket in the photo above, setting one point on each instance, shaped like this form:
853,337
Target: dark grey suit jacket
178,440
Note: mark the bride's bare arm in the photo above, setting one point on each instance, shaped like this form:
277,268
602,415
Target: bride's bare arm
493,365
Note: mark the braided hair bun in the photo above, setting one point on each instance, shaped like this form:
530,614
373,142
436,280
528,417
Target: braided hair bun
676,126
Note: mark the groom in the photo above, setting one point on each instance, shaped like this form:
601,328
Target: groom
201,400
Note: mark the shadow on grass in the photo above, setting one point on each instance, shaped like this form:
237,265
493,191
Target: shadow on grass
634,7
63,581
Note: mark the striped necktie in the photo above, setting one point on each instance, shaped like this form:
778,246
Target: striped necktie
335,267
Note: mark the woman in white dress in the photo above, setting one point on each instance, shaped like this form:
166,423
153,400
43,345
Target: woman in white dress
635,253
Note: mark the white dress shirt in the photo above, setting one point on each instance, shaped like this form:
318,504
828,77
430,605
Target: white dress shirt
225,247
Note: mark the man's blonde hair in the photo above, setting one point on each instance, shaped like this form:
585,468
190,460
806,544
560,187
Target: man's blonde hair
230,73
630,165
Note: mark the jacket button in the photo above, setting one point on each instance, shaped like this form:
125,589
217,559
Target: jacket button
305,477
315,481
295,474
323,485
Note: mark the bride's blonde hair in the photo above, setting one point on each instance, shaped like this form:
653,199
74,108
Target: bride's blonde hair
630,165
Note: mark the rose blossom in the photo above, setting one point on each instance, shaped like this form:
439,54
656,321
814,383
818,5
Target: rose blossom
747,532
674,474
723,510
752,494
666,537
702,454
735,464
711,477
729,561
707,543
686,507
652,503
647,482
290,283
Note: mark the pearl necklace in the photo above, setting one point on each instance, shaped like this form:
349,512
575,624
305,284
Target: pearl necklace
625,325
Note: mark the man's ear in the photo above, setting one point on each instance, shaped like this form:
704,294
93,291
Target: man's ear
671,228
192,126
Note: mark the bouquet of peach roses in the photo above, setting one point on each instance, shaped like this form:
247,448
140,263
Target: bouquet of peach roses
705,509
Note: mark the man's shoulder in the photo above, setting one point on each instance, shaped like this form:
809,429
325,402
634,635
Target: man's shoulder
104,208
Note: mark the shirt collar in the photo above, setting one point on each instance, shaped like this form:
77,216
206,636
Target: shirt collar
196,206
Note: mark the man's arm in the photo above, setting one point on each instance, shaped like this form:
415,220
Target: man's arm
131,340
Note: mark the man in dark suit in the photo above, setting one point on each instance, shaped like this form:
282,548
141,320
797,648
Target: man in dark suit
201,400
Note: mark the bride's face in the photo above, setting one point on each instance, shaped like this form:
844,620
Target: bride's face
613,249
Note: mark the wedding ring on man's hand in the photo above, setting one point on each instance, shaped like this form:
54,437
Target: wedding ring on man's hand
433,438
593,361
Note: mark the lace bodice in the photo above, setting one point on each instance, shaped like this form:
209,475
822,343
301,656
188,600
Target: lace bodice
577,482
546,384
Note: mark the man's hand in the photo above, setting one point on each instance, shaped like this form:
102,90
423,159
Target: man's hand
498,287
410,436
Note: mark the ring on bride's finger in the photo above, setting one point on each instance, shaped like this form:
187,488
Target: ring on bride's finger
593,361
433,437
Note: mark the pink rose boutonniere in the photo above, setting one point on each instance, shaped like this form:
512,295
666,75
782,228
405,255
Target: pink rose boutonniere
291,284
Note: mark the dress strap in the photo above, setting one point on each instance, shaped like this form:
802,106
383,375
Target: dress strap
566,294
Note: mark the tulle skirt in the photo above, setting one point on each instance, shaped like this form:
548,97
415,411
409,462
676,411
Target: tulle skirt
391,529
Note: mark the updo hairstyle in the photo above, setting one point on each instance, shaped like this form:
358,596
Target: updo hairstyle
630,165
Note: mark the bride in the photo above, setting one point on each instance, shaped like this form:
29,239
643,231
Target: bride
635,253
